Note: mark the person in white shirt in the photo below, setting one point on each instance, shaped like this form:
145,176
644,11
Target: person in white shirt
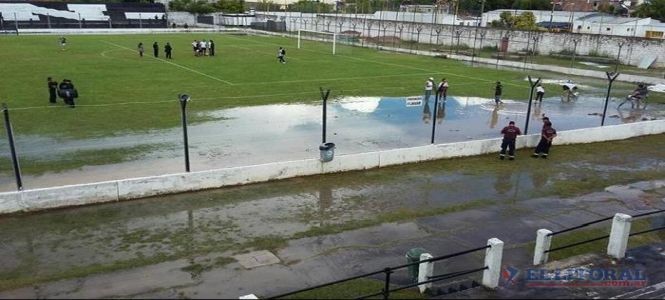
202,46
195,47
429,86
540,92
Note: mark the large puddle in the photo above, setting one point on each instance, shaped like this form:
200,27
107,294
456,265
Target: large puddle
262,134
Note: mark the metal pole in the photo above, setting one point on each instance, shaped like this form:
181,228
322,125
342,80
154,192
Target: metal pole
140,21
436,105
183,105
452,33
475,35
48,20
616,64
12,148
386,288
611,76
528,111
80,24
324,97
16,22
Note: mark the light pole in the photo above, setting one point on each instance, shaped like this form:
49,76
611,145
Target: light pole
552,14
616,64
184,98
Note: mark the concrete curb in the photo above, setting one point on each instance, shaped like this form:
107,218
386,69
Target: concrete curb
134,188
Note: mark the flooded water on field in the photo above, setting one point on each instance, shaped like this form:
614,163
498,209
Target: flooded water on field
262,134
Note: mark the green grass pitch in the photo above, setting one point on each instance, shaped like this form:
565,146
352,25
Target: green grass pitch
121,92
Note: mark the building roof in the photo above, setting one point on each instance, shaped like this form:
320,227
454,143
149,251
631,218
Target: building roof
607,19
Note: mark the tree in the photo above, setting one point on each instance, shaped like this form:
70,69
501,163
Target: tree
526,21
230,6
192,6
654,9
308,6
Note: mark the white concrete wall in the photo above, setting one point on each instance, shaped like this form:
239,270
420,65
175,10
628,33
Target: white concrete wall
83,194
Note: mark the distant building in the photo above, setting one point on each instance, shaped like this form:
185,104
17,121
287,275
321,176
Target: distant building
612,25
541,15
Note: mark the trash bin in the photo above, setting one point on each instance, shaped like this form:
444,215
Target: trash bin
327,152
413,256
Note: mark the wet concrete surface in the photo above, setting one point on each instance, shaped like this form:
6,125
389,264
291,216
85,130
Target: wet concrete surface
321,228
262,134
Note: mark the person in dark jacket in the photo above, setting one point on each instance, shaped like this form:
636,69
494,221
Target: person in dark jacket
167,50
155,49
510,134
547,134
52,90
212,48
67,92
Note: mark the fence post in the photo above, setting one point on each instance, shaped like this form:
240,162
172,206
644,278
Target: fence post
12,147
386,288
493,257
543,242
425,271
619,236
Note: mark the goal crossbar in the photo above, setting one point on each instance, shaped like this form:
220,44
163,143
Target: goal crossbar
333,34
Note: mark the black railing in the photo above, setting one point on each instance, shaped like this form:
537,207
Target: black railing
388,271
605,236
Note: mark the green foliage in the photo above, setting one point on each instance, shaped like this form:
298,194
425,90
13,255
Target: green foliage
532,4
192,6
526,21
653,9
267,5
230,6
308,6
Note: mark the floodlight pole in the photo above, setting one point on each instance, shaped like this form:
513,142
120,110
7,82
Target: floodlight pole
611,76
12,147
475,35
324,97
528,111
616,64
184,98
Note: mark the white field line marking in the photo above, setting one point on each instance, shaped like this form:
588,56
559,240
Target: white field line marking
387,64
230,97
174,64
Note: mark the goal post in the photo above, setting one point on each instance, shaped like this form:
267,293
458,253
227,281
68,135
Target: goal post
319,36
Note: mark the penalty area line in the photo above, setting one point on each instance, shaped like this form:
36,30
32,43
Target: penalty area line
174,64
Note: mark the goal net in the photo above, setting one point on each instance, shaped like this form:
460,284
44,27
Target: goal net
327,41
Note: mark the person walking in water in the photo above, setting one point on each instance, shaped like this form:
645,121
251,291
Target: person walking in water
540,92
498,90
429,86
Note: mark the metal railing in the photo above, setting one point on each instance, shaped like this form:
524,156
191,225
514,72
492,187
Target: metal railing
389,270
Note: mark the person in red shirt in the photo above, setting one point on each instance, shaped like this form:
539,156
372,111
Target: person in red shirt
510,134
546,136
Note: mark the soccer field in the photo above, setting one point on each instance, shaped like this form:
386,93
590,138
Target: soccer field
121,92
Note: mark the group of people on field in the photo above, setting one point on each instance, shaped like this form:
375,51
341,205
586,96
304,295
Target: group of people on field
65,90
203,48
155,50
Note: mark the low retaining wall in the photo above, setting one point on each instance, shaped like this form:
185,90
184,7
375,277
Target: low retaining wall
109,191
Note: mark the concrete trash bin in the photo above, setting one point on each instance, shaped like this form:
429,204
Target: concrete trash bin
413,256
327,152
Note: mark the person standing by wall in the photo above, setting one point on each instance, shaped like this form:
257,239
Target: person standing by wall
547,134
52,90
510,134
